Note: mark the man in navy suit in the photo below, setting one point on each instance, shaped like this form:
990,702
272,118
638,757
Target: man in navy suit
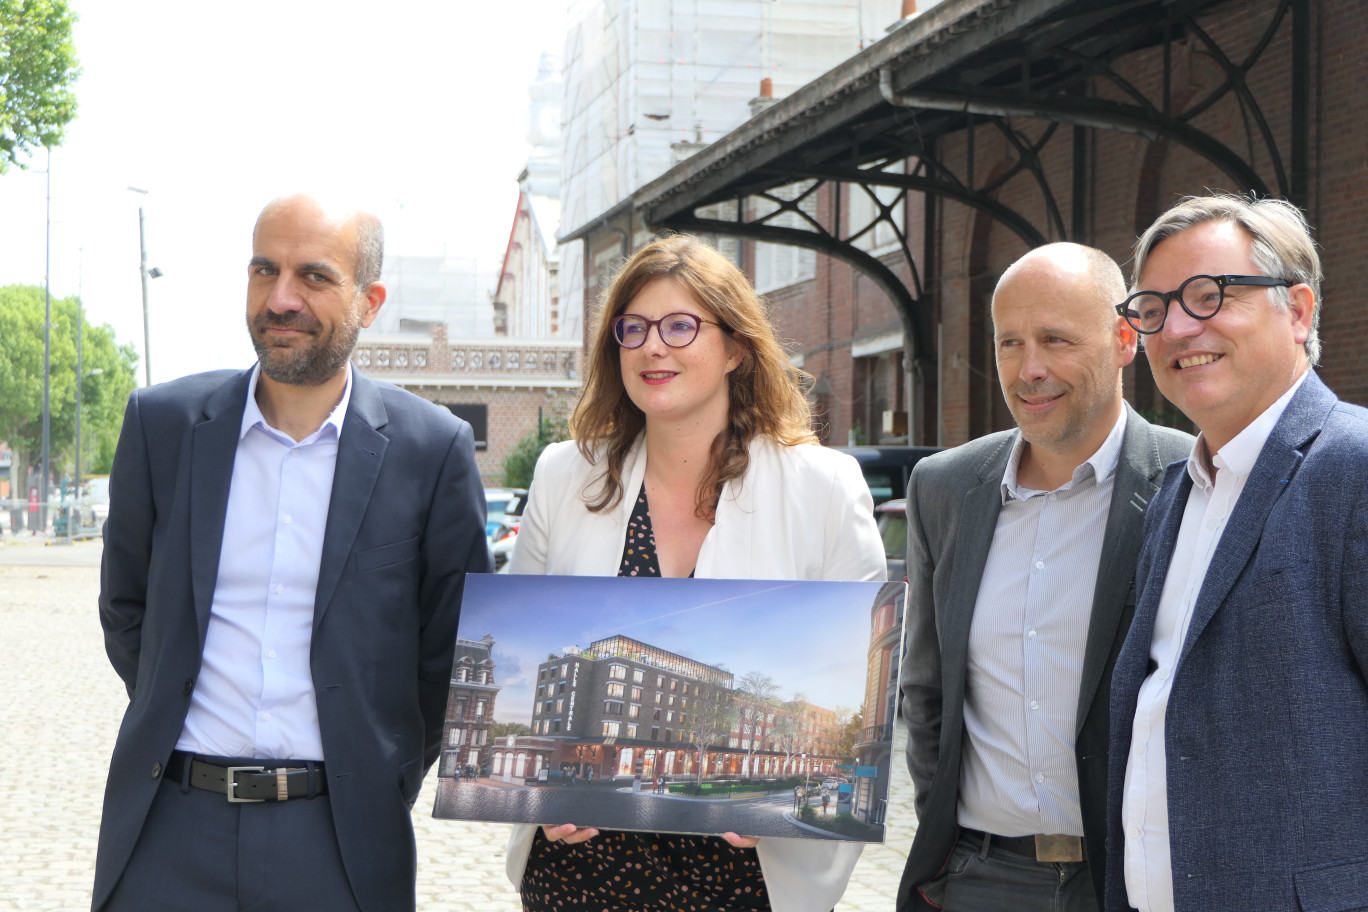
282,575
1239,770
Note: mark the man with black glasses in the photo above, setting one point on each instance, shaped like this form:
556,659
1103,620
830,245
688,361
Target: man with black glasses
1239,770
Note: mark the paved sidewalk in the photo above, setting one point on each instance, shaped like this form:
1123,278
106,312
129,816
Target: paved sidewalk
58,721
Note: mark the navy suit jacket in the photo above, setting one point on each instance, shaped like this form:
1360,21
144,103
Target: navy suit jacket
405,523
1266,732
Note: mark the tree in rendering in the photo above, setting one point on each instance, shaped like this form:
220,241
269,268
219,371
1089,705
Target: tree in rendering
756,698
708,724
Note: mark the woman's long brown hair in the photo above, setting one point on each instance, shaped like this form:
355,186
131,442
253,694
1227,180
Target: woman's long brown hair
764,390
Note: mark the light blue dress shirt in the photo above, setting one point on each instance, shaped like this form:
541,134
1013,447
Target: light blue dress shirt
254,696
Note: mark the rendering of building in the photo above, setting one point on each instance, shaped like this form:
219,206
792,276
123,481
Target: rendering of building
470,708
874,743
626,709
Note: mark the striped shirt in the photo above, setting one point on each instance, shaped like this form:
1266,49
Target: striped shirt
1026,643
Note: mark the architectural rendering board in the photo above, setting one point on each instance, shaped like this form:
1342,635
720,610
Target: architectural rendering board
761,707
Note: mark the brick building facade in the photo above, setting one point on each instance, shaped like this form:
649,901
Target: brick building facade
626,709
874,743
502,386
470,707
1027,122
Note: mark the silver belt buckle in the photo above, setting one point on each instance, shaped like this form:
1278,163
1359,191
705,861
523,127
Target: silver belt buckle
232,784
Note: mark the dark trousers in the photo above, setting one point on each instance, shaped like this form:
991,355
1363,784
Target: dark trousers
198,853
981,878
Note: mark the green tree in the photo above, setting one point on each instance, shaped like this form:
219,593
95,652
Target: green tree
110,377
37,68
849,735
522,459
504,729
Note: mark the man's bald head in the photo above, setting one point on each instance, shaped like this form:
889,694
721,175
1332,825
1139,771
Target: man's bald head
1092,274
1060,346
367,232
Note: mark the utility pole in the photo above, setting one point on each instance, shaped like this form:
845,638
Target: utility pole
147,326
47,355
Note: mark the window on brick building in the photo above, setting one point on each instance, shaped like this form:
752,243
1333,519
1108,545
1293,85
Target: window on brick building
476,414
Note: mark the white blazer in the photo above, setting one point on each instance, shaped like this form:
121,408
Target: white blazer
801,512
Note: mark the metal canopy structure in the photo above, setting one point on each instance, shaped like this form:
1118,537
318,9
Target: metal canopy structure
1018,68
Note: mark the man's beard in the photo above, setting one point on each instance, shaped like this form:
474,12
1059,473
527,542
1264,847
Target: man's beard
312,364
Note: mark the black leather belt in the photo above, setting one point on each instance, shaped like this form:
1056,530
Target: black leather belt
251,782
1041,847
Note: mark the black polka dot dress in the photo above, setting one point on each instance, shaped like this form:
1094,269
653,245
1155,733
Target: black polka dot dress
618,870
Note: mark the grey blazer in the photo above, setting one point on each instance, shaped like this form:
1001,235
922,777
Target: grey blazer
953,503
1266,732
405,523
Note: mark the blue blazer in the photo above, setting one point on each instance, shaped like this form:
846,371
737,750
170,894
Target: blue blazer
405,523
1266,733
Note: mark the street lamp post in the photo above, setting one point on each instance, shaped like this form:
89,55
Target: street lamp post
47,355
147,330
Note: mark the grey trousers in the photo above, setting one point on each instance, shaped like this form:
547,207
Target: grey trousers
982,878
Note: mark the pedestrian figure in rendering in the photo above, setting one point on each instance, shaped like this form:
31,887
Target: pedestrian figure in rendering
1021,556
826,801
1239,706
693,455
282,571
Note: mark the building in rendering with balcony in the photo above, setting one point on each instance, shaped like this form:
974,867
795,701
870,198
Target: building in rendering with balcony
874,744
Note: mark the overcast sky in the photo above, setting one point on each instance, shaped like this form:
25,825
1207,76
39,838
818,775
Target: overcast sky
417,109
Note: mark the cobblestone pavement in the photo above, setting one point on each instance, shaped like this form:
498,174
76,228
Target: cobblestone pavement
61,709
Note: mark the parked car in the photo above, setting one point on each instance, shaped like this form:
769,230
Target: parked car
96,496
887,468
503,502
505,506
892,519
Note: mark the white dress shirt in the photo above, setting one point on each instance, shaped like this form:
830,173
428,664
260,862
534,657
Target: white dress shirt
1144,803
1019,775
254,696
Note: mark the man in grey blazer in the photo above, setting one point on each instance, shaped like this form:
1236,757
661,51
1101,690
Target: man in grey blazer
1239,706
1021,556
282,575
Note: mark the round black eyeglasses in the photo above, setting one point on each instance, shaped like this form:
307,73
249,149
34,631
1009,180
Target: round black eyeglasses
676,330
1200,297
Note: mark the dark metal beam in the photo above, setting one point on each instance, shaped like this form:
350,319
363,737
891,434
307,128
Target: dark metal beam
1094,112
1010,218
912,312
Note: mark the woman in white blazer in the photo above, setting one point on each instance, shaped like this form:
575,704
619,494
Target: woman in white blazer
693,456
